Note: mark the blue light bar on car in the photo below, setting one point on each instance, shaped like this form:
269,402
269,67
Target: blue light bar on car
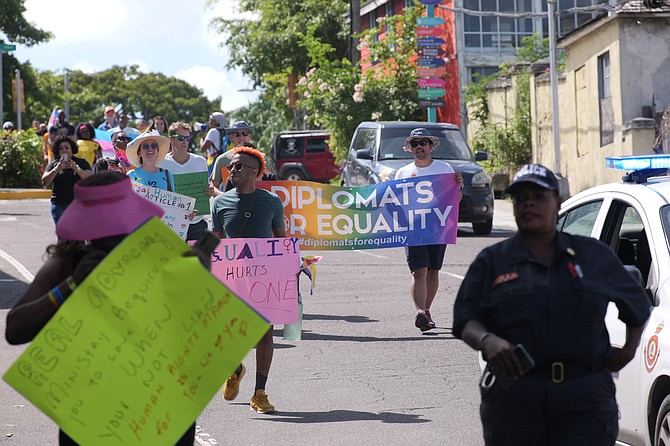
637,162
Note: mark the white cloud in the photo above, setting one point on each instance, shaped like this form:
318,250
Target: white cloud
225,84
172,37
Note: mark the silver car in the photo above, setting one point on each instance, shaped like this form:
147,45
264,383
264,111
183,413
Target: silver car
376,153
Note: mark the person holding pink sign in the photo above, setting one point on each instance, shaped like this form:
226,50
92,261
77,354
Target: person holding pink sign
425,261
250,212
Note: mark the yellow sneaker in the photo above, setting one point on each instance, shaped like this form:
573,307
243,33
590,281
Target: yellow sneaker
231,388
259,402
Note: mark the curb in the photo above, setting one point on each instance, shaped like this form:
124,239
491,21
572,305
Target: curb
23,194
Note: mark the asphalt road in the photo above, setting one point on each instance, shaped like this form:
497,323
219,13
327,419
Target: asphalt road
362,373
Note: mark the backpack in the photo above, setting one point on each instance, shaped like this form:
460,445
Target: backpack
224,141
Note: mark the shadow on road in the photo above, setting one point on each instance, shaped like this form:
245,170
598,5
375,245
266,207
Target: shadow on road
329,317
311,336
337,416
496,233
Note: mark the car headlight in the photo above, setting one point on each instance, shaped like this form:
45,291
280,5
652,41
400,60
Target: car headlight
387,174
480,179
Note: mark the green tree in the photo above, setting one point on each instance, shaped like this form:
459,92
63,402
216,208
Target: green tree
20,159
16,29
141,94
508,143
268,116
338,96
275,40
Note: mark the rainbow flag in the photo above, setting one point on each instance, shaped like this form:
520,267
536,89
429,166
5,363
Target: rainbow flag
53,118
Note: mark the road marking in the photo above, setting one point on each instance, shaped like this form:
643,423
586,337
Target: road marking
200,433
18,266
8,280
456,276
371,255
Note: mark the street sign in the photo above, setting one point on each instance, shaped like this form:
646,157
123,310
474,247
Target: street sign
424,31
431,93
431,103
431,52
431,71
432,62
431,82
7,47
429,21
430,2
431,42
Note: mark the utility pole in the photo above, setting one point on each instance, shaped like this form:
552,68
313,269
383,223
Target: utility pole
553,77
67,96
2,105
355,13
19,93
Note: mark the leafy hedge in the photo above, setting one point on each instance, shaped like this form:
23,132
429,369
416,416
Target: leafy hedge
21,163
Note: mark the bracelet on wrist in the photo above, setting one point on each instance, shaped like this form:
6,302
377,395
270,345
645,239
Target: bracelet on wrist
58,295
71,284
482,338
53,299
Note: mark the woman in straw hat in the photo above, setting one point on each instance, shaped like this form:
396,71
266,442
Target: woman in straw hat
81,247
147,151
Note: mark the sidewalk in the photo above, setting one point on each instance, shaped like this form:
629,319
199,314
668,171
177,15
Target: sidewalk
22,194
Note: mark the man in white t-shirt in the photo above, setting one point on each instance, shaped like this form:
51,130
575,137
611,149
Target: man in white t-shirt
181,161
424,261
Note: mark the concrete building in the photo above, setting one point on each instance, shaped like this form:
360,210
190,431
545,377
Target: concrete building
479,43
615,87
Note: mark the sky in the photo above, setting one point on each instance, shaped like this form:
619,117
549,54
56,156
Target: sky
172,37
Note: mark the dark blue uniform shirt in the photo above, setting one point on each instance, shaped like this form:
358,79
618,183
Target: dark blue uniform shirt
557,313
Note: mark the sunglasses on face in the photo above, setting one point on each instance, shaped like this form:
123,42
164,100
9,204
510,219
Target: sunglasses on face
238,166
123,139
238,134
181,137
147,146
421,142
540,196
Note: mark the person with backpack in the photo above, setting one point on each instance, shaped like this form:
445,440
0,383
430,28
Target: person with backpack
216,139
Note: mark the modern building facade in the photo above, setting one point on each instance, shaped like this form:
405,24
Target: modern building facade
481,35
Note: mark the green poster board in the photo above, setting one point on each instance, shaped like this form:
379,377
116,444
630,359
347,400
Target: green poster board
194,185
140,348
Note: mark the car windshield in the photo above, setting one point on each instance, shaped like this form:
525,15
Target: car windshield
452,145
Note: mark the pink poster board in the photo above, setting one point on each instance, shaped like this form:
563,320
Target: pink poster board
262,272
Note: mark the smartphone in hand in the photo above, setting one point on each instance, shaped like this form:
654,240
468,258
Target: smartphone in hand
491,376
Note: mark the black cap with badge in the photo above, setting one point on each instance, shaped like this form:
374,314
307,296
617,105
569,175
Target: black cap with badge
536,174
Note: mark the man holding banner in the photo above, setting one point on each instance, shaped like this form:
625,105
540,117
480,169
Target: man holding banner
424,261
181,161
250,212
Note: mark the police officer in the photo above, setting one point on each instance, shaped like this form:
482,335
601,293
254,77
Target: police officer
547,291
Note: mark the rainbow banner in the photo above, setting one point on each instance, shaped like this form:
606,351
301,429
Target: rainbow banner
410,212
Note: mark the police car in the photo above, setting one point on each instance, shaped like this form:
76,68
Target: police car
633,218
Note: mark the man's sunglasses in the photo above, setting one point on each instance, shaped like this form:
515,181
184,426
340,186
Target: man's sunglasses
419,142
238,134
123,139
181,137
147,146
238,166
